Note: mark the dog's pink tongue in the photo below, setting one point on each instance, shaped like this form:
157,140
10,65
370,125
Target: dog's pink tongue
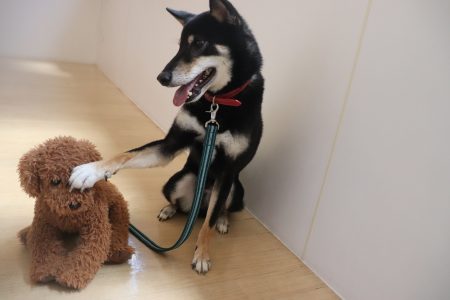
182,93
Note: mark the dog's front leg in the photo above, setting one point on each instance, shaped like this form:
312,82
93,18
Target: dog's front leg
85,176
222,187
154,154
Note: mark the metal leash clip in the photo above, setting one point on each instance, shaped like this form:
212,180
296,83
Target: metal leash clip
213,111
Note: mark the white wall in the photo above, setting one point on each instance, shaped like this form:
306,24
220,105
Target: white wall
382,229
65,30
352,173
137,38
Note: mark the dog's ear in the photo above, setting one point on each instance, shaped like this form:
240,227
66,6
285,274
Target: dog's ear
28,173
224,12
182,16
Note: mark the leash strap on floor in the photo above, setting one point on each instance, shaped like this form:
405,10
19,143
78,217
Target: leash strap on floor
208,148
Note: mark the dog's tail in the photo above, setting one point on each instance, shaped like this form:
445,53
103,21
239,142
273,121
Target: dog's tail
23,235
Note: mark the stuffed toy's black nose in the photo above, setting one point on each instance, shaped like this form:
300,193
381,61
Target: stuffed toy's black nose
74,205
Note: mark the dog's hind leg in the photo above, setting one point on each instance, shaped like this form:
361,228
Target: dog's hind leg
179,192
235,202
222,224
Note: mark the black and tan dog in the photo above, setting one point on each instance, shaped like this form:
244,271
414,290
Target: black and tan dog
218,58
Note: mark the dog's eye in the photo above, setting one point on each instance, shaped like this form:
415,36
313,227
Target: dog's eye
55,182
199,44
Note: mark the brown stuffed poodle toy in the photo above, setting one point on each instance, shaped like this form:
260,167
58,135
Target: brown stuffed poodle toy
73,233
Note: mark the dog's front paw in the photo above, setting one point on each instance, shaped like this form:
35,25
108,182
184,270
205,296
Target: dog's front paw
167,212
201,262
85,176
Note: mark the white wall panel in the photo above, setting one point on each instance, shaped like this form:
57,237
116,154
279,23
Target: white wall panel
137,39
64,30
309,48
383,226
113,29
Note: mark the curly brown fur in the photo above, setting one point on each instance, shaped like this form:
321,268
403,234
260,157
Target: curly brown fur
95,221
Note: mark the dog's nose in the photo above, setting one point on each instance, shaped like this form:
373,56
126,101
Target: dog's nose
165,77
74,205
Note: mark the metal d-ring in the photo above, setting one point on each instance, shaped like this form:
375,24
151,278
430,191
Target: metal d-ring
212,122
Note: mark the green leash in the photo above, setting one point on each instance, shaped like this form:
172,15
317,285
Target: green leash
208,148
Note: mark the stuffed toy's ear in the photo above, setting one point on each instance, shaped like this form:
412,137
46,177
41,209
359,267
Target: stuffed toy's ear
28,173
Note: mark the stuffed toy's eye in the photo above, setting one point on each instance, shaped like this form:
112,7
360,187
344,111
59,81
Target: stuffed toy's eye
55,182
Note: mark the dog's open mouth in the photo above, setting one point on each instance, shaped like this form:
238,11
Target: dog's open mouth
188,92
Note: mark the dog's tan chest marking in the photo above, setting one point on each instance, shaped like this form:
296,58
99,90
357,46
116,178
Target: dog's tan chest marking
187,122
233,145
184,192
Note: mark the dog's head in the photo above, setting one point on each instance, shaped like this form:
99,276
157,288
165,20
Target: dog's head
44,173
217,50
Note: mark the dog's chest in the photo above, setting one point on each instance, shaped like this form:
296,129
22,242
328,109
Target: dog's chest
232,144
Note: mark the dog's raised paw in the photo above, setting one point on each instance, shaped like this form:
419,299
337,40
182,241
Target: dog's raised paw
167,212
85,176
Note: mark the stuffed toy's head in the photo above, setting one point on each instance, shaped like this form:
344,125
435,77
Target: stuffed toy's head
45,170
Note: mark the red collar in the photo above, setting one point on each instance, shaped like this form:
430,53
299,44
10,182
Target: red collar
227,98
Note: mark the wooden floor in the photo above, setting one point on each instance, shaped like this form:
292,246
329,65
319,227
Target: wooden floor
39,100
